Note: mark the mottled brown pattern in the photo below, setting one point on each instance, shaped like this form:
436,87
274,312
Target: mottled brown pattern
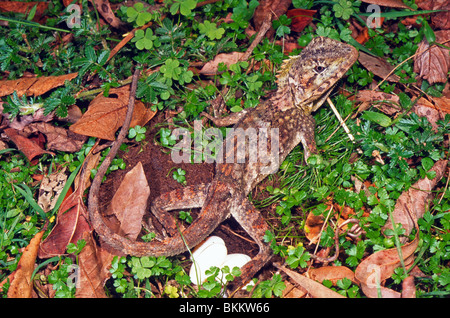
304,83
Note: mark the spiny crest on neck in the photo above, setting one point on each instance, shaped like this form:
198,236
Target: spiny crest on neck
283,72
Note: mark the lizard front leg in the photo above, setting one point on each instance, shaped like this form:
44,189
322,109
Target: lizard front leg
229,120
185,198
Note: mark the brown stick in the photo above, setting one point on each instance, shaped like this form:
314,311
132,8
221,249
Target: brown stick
93,192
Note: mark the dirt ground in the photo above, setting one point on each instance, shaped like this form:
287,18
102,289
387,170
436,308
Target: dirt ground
157,163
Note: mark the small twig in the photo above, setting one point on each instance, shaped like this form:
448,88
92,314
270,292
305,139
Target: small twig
267,24
343,124
93,209
341,121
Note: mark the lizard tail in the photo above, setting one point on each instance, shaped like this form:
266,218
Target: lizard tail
207,220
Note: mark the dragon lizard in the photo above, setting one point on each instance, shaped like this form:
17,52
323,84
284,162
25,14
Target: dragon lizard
304,83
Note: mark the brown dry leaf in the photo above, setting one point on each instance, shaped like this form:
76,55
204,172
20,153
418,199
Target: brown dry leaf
91,161
313,226
21,284
58,138
410,206
130,202
414,202
24,7
29,148
373,271
72,220
269,8
210,68
423,108
441,104
300,18
314,288
378,66
332,273
106,114
94,264
25,120
104,8
388,3
408,288
292,292
440,20
387,103
70,225
433,63
34,86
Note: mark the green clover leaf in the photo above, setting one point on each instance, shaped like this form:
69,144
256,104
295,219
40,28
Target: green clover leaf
185,7
171,69
211,30
343,9
139,14
145,40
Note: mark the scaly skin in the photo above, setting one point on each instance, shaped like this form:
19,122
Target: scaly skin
304,82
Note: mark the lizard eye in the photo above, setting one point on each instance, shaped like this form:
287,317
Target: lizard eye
319,69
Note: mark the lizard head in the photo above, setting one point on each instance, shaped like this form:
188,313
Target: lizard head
311,75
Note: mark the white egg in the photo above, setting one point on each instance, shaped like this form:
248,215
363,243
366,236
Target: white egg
235,260
211,252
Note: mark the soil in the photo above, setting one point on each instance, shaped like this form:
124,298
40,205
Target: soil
157,165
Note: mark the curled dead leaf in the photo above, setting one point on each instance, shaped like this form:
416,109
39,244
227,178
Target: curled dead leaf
377,66
440,20
210,68
33,86
24,7
93,272
332,273
21,284
413,203
300,18
28,147
433,63
58,138
314,288
373,271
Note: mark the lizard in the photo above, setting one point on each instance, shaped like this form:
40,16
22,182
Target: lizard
304,83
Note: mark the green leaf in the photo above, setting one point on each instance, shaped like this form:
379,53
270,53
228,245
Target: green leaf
428,32
427,163
211,30
144,40
343,9
90,53
185,7
171,69
103,57
378,118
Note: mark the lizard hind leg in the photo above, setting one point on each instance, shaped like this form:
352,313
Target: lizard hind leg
185,198
254,224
